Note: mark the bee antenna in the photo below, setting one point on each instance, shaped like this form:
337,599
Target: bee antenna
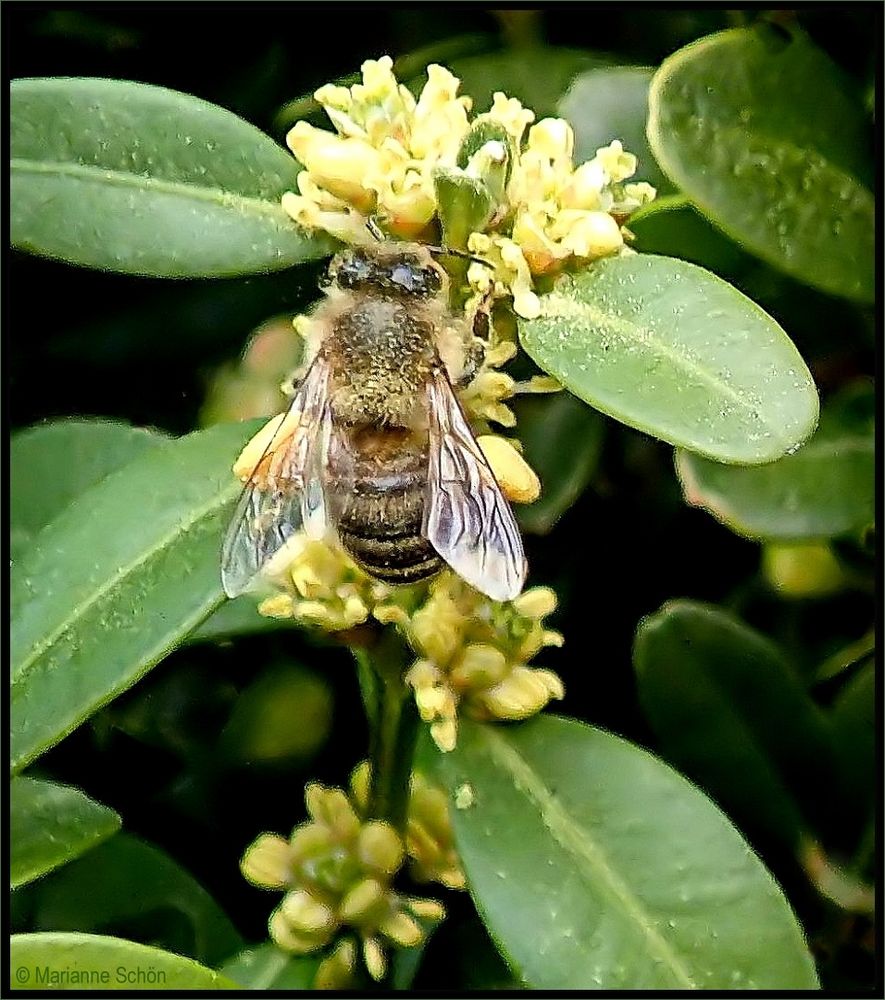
374,229
451,252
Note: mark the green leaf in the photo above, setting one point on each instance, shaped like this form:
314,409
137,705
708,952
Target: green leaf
853,718
266,967
824,490
50,825
52,463
729,712
596,866
565,470
768,140
92,962
237,617
126,879
612,103
537,76
133,178
673,227
116,581
670,349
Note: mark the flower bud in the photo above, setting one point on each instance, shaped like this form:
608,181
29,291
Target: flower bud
364,902
427,909
306,914
268,862
330,807
338,164
379,847
536,603
373,956
283,935
402,929
336,971
515,476
518,696
480,666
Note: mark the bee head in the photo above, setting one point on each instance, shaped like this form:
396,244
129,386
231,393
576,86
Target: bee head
401,273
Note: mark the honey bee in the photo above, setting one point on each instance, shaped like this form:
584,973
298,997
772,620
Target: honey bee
381,453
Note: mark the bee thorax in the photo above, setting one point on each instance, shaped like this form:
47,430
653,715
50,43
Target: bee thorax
382,355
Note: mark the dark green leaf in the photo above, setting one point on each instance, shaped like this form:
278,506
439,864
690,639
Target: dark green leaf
672,350
52,463
853,718
612,103
536,76
265,967
128,177
769,141
730,713
50,825
562,439
237,617
824,490
672,226
595,866
92,962
116,581
125,879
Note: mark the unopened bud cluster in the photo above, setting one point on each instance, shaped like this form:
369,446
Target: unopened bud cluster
337,871
474,656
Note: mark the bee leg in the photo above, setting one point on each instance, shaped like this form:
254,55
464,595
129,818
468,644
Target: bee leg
292,383
481,325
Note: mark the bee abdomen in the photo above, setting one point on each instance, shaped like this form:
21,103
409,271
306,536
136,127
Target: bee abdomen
398,559
381,529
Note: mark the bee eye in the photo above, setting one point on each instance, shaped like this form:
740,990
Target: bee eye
416,280
352,270
432,280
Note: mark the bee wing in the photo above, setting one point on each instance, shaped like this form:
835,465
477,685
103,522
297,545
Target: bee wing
290,496
467,519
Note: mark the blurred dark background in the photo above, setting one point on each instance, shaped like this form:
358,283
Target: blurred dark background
83,343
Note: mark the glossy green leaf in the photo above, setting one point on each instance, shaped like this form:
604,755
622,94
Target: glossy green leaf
134,178
670,349
767,138
50,825
729,711
562,441
266,967
51,463
537,76
825,489
237,617
673,227
90,962
116,581
612,103
126,879
853,718
595,866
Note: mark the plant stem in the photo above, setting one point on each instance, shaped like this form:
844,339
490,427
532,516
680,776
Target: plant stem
393,718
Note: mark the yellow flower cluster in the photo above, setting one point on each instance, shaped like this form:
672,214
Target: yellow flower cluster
474,655
430,842
473,652
381,159
337,871
389,150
